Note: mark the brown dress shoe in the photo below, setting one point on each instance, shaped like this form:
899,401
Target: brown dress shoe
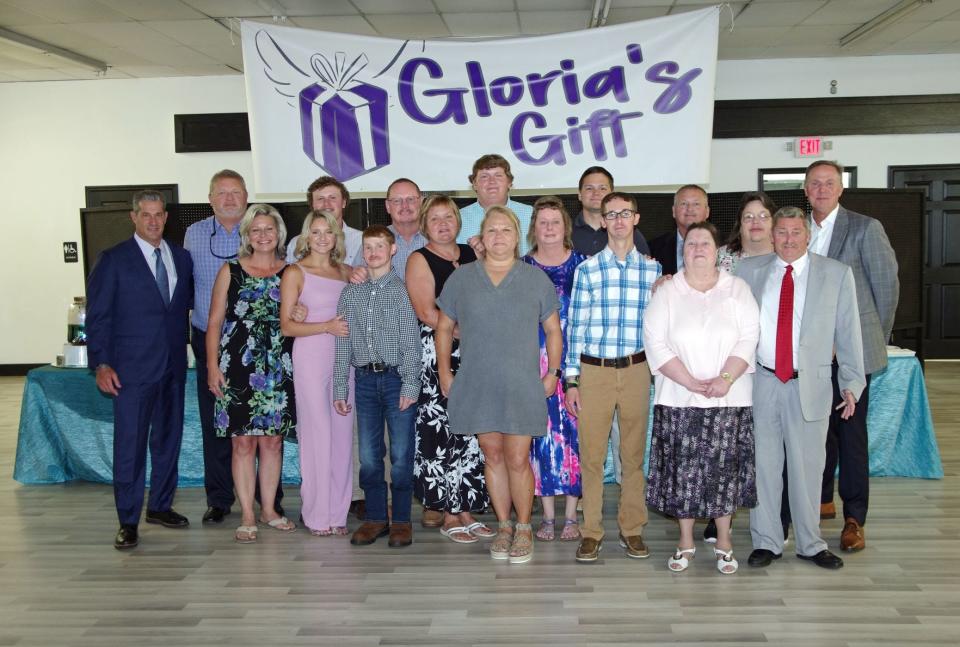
368,532
828,511
401,534
588,550
634,546
431,518
852,539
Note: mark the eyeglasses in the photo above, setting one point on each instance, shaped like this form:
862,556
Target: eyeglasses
400,201
762,216
626,214
213,253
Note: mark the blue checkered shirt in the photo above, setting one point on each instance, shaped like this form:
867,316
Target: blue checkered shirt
472,215
606,306
198,242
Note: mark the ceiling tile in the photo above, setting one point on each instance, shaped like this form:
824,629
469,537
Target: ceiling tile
552,22
742,53
341,24
13,17
69,10
849,12
630,14
777,14
412,26
313,8
205,36
481,25
943,31
232,8
153,10
818,35
145,42
918,48
938,10
396,7
752,36
472,6
559,5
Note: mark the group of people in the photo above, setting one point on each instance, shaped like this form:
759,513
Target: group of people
501,347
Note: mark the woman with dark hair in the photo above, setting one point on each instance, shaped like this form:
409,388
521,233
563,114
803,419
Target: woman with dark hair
700,333
249,369
555,456
753,235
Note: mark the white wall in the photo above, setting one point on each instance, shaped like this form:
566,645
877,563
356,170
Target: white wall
57,138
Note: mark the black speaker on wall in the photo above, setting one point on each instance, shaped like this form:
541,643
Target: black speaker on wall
211,133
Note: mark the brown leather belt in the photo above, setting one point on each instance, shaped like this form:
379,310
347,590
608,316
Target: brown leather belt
619,362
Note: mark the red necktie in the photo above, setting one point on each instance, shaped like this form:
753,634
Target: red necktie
784,366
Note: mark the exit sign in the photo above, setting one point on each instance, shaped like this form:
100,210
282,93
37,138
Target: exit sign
807,147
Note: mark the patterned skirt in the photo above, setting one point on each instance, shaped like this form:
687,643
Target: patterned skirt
701,461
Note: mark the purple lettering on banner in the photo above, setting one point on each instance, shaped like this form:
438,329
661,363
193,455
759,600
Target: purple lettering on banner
570,89
574,135
478,87
334,121
453,106
678,92
595,125
634,53
554,152
602,119
539,84
506,90
606,82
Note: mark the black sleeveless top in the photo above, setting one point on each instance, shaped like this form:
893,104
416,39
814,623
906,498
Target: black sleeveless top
441,268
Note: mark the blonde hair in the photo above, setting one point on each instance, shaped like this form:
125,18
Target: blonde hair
303,243
512,217
254,210
437,201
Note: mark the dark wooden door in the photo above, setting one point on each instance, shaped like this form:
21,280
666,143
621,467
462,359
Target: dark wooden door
941,185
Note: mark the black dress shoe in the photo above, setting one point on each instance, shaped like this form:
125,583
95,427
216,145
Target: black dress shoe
127,537
167,518
762,557
824,559
215,514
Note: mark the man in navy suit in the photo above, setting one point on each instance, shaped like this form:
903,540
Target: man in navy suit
689,206
138,296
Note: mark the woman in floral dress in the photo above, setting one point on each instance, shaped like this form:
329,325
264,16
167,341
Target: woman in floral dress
250,368
555,457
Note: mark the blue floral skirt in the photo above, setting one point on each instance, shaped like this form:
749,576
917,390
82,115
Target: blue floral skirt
701,461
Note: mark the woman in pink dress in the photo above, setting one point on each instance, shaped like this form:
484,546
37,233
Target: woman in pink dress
326,438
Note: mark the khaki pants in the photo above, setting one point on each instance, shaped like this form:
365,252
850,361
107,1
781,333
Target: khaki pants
602,391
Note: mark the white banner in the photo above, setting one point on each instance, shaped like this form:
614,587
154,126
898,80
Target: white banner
635,98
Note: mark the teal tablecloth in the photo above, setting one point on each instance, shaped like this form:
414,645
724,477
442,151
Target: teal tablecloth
66,429
66,432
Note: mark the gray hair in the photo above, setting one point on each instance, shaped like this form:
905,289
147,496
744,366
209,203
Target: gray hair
254,210
148,195
303,243
227,174
790,213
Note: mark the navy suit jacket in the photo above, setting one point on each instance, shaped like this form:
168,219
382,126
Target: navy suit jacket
128,326
664,249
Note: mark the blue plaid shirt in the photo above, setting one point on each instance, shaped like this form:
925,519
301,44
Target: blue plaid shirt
199,240
472,215
606,306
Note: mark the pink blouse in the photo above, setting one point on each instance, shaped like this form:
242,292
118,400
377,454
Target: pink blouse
702,329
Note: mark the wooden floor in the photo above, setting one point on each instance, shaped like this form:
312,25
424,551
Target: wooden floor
62,583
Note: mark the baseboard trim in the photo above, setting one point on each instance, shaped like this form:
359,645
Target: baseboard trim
10,370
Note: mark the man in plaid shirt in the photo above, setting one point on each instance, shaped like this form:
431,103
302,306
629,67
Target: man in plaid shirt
384,348
607,370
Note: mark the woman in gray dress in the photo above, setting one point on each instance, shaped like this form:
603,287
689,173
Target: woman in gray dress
500,390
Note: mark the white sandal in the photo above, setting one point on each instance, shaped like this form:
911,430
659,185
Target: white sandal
726,563
678,562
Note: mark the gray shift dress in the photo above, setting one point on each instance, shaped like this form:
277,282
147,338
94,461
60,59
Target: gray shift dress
498,386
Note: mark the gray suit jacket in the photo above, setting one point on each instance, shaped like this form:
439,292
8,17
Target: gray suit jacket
860,242
830,322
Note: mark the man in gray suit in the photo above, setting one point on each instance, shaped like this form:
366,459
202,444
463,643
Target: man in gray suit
808,311
859,242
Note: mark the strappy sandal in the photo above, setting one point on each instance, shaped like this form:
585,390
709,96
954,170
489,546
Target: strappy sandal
321,532
500,546
521,550
547,531
726,563
481,530
571,530
679,562
340,531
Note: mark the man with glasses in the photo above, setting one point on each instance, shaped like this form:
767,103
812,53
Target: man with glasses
330,194
403,204
211,242
607,369
689,206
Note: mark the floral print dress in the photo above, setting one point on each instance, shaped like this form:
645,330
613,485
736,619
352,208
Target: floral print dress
256,361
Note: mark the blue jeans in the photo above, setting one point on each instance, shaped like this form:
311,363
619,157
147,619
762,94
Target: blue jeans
378,401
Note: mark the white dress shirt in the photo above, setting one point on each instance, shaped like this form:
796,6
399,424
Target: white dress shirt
821,234
770,306
165,255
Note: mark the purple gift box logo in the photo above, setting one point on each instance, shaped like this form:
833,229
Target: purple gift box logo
343,122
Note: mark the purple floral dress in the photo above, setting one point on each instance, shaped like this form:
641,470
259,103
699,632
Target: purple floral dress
256,361
555,457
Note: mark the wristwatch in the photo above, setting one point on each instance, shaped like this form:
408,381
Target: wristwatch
727,377
556,372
